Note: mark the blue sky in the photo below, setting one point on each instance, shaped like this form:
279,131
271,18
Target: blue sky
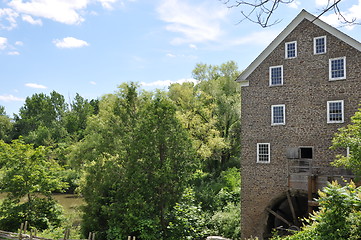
91,46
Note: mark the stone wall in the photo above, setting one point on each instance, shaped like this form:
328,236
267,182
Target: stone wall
305,91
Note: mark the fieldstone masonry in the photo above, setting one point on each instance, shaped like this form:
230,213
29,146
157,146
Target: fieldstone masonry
305,91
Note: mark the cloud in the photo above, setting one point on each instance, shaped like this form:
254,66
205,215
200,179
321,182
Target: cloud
13,53
171,55
261,38
195,23
70,42
64,11
93,83
35,85
350,14
166,83
294,4
11,98
30,19
19,43
193,46
3,43
9,16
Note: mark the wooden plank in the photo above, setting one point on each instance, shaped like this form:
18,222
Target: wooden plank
279,217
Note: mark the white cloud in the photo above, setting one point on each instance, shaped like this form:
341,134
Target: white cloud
35,85
166,83
8,15
294,4
261,38
3,43
10,98
31,20
63,11
322,2
350,14
193,46
171,55
19,43
195,23
70,42
93,83
13,53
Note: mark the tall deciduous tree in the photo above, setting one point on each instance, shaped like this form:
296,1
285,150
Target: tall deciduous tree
5,125
138,164
30,173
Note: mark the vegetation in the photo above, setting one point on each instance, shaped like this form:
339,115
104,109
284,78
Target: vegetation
155,165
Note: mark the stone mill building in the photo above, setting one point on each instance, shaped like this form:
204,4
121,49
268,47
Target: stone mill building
295,95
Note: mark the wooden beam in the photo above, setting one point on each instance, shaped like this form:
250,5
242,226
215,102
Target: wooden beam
279,216
290,203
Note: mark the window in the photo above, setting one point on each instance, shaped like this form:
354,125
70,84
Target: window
306,152
278,114
337,68
276,75
335,111
319,45
291,49
263,153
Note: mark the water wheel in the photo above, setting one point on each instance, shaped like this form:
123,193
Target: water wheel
286,214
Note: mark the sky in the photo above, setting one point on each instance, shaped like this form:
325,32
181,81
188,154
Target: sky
92,46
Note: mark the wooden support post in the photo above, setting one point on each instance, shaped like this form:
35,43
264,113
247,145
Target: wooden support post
134,238
129,238
309,194
279,217
90,235
21,229
290,204
25,226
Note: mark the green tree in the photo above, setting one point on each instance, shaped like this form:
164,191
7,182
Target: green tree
5,125
349,137
40,120
339,216
28,177
138,163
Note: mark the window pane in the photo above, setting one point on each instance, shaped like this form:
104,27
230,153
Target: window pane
337,68
320,45
291,50
335,111
276,76
263,152
278,114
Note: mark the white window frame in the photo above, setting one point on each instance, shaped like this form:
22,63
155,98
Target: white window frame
270,75
329,120
315,46
330,69
268,145
286,49
284,114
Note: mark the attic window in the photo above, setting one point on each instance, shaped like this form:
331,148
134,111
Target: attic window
291,49
276,75
319,45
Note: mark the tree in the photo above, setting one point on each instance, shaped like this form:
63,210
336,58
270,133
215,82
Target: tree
262,11
30,173
40,120
349,137
339,216
5,125
138,163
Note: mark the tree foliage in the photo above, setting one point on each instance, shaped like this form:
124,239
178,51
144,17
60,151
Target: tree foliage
339,216
28,173
349,137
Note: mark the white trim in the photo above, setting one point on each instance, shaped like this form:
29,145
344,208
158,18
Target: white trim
314,45
342,111
284,114
301,16
330,72
269,152
270,75
286,49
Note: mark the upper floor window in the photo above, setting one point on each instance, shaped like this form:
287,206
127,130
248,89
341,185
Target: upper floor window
263,153
278,114
291,49
276,75
319,45
335,111
337,68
